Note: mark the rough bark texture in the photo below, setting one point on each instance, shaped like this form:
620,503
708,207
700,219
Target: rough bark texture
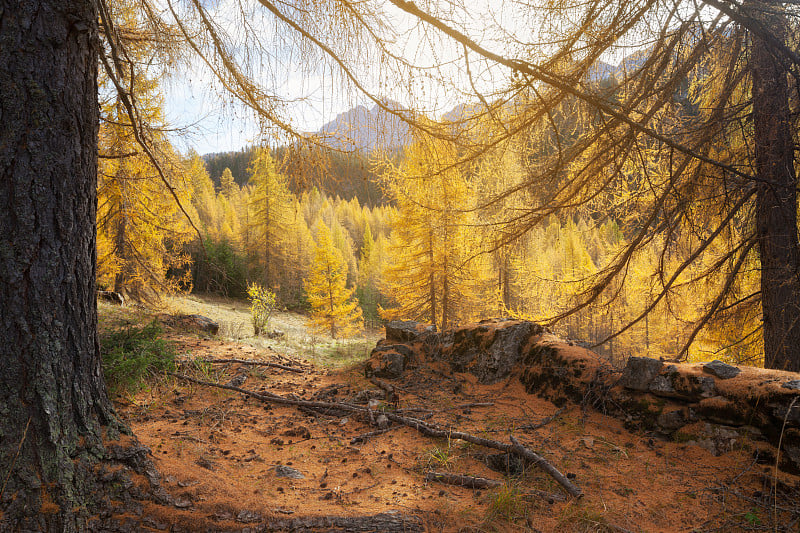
53,402
776,213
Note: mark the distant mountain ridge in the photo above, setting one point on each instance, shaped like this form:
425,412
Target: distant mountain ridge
366,129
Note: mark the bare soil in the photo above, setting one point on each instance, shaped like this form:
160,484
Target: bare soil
218,451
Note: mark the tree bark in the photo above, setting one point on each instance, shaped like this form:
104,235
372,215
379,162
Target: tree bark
776,196
53,402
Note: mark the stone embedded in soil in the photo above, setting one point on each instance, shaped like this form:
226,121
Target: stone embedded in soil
288,472
248,517
792,385
721,370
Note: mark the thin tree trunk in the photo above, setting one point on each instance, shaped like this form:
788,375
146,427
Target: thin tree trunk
52,393
267,250
119,245
776,197
432,280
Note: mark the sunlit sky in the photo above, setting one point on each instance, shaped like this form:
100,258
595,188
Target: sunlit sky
212,121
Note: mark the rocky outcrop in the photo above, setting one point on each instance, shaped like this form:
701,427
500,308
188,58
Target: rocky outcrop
197,323
714,405
389,361
406,330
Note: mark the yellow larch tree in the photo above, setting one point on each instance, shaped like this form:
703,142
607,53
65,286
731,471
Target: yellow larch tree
270,203
141,230
436,273
334,310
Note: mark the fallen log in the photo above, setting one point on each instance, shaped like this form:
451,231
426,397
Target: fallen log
429,431
471,482
390,521
245,362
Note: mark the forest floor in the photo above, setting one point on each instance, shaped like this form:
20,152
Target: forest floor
221,454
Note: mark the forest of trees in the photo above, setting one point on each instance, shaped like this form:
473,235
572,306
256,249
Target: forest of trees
656,211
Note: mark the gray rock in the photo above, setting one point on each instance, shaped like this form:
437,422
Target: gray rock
792,385
671,421
639,373
708,386
406,330
781,412
389,361
497,360
721,370
248,517
382,422
392,366
111,297
662,386
288,472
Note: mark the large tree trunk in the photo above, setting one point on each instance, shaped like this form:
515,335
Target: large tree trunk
776,213
53,402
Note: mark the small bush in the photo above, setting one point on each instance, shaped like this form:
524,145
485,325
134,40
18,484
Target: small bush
262,305
131,354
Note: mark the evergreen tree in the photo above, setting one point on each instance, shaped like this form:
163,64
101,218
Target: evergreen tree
333,308
227,185
269,206
435,273
141,230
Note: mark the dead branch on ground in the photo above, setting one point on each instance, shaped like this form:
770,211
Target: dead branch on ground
515,447
245,362
471,482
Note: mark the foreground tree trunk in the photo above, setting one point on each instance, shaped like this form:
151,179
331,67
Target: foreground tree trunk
776,211
53,403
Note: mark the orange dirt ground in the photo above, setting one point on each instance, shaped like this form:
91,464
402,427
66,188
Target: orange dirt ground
216,451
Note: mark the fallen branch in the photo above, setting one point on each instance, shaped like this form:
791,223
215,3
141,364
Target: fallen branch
471,482
453,408
364,436
389,521
544,421
515,447
246,362
549,496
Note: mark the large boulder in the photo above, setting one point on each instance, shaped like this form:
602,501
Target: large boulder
389,361
490,350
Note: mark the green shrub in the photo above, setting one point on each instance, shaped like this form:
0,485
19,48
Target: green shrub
131,354
262,304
